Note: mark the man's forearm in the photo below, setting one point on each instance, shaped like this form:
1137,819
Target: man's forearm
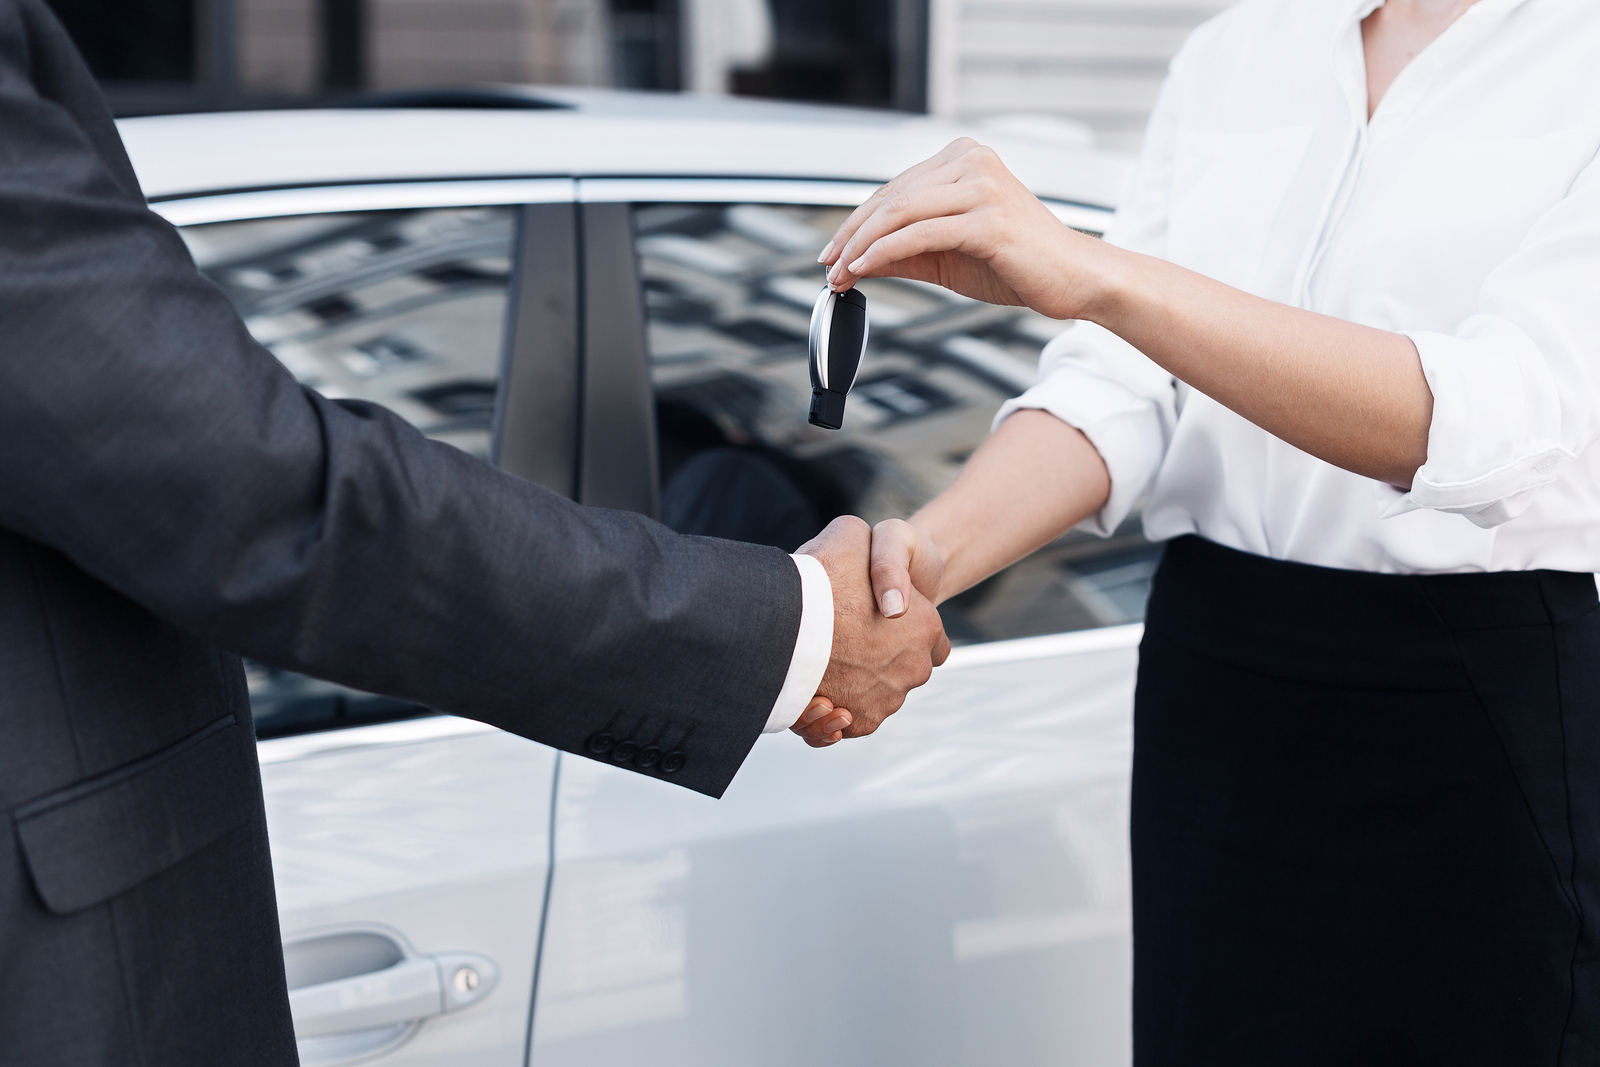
1033,479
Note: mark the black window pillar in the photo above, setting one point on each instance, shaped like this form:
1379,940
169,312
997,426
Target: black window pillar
909,91
646,44
219,52
344,45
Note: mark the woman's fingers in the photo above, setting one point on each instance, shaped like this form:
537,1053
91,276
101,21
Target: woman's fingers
950,233
906,179
897,211
903,559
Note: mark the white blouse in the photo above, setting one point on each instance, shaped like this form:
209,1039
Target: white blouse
1465,214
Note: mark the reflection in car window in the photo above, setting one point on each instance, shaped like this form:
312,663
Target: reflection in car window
402,308
728,291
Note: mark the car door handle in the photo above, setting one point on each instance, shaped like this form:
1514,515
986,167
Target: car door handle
409,991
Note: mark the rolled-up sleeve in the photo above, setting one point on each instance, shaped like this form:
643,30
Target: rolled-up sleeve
1516,386
1124,404
1097,382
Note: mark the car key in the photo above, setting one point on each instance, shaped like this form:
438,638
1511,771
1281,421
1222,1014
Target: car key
838,338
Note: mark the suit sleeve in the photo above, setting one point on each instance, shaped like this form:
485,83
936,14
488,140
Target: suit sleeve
144,434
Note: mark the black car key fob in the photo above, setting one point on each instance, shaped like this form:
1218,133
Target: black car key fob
838,338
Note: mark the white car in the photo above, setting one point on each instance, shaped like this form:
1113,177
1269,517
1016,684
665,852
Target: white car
610,297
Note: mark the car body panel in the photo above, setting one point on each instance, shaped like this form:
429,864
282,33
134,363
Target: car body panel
953,891
434,832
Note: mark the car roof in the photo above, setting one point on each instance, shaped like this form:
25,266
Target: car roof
590,133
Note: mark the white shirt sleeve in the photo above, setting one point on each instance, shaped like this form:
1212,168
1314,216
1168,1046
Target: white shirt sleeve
1092,379
1516,387
812,649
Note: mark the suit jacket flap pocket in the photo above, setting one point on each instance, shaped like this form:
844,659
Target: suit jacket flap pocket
103,836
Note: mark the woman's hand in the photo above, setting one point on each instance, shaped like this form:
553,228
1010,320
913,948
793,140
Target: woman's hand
963,221
1351,395
903,558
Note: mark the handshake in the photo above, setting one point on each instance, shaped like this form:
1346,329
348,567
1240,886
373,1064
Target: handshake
887,634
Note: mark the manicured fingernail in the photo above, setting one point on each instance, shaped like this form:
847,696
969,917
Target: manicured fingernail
822,257
815,712
893,603
855,268
836,725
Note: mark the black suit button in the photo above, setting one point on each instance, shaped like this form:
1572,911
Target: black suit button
673,761
648,757
624,751
600,743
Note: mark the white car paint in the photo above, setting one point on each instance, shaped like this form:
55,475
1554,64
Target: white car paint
953,891
609,135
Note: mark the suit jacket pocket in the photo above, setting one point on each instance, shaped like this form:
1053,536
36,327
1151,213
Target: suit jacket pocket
104,835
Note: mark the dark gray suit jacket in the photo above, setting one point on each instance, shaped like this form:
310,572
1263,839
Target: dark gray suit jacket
170,499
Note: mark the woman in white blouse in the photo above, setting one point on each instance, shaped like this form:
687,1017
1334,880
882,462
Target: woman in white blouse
1343,343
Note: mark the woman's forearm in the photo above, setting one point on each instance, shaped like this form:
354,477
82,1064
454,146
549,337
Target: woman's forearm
1351,395
1348,394
1032,480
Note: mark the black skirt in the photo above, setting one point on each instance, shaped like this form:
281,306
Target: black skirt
1366,817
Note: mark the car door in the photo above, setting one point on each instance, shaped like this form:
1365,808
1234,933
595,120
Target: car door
411,850
954,890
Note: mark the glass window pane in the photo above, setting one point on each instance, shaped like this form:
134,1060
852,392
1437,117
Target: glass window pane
729,290
401,308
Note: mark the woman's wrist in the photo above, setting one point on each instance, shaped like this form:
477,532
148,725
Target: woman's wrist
1108,283
932,537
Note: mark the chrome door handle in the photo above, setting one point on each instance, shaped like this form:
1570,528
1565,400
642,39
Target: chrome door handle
409,991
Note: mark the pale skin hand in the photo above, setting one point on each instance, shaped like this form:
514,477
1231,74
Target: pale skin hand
1041,476
1351,395
874,662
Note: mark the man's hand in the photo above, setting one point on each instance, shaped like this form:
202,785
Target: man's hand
876,661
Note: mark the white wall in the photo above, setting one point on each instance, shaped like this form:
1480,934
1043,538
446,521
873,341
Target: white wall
721,36
1099,61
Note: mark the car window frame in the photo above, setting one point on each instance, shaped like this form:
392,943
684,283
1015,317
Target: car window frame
617,301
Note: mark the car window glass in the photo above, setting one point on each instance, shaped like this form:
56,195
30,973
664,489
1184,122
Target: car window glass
401,308
728,293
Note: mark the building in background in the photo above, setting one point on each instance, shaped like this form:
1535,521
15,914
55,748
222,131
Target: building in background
1097,62
1100,62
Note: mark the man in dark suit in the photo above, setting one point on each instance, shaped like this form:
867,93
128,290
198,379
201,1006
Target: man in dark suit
170,499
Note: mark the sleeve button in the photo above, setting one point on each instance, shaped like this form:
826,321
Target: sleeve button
648,757
624,750
672,762
600,743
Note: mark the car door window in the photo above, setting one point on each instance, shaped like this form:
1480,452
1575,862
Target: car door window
401,308
728,293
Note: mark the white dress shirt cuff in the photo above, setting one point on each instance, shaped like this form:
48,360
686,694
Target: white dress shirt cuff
812,649
1496,409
